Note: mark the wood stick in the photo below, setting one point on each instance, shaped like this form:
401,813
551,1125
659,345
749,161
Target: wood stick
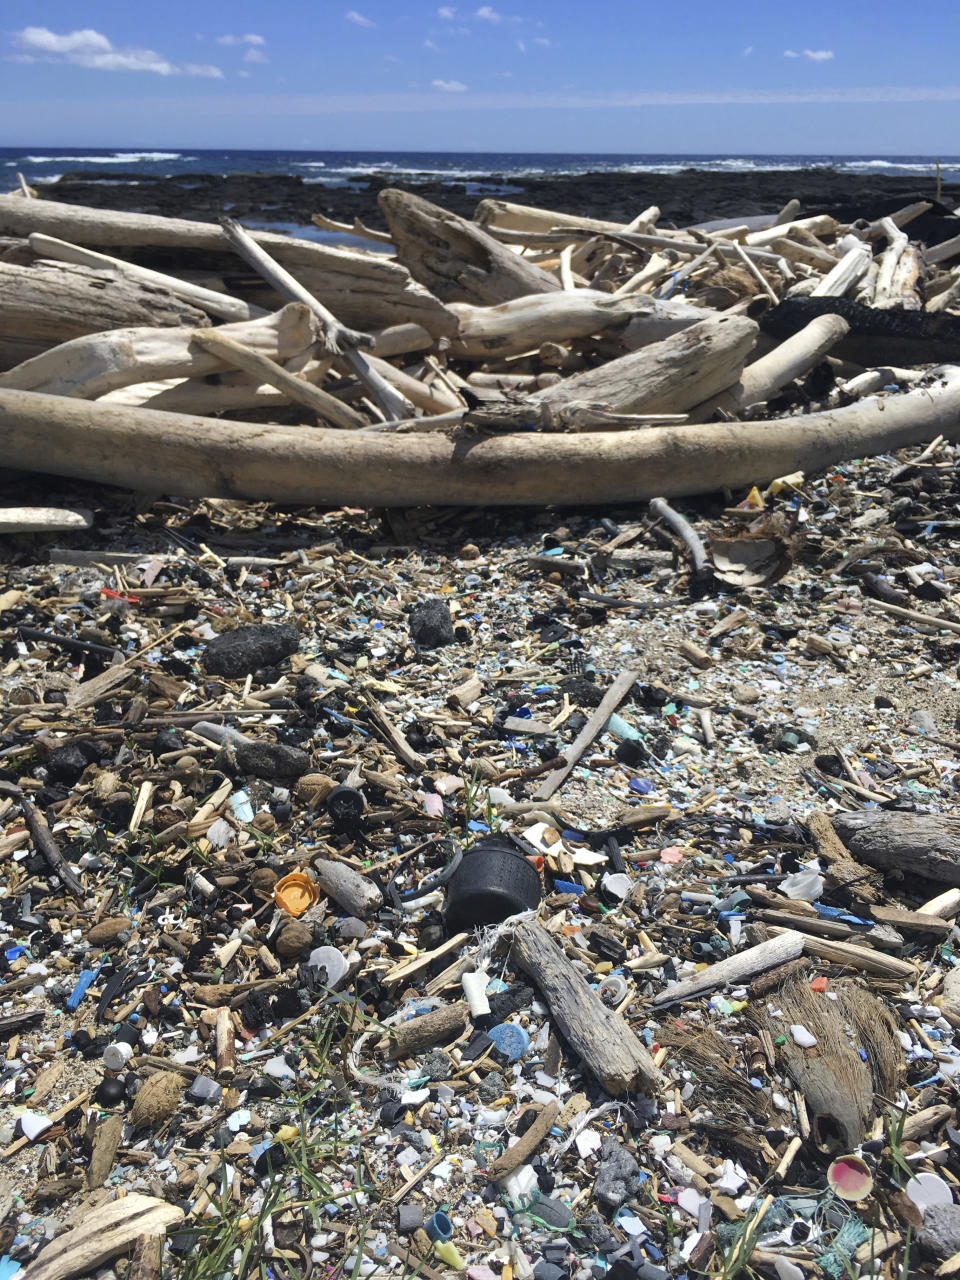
913,615
848,272
851,956
514,1156
338,339
603,1039
147,1258
43,840
202,457
209,300
737,968
237,356
598,718
226,1046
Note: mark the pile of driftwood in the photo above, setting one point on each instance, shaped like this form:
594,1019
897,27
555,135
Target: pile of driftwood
526,356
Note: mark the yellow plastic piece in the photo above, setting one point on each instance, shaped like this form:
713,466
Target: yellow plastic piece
448,1252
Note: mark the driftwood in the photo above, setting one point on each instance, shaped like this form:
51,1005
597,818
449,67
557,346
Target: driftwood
363,289
443,1024
791,359
337,338
236,355
356,893
736,969
42,520
672,375
203,457
524,217
922,844
215,304
50,303
88,367
105,1232
609,703
604,1040
456,259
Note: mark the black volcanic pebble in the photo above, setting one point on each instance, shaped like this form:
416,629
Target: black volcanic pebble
240,652
273,760
65,764
431,626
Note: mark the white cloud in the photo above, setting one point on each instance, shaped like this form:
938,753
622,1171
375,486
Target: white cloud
487,14
249,38
747,51
90,49
428,44
446,13
358,19
255,55
449,86
789,53
818,55
521,46
542,41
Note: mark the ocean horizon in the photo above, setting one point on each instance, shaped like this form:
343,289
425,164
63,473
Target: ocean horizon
348,168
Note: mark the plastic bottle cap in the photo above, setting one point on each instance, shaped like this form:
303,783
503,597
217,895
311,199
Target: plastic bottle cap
295,893
439,1227
510,1039
927,1189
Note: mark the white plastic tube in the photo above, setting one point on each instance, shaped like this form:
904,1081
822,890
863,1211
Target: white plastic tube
475,989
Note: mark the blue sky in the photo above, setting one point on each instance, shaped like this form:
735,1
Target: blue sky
844,76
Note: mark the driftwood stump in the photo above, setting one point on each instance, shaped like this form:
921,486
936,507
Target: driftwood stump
923,844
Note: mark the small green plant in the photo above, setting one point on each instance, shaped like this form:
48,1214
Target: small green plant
893,1122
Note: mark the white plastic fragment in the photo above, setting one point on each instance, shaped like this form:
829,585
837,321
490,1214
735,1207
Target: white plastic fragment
801,1036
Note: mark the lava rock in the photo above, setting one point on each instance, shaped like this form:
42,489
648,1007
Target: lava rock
431,626
491,1087
240,652
272,759
437,1065
941,1230
619,1178
65,764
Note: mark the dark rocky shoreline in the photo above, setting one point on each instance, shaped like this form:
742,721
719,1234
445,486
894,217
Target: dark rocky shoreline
684,198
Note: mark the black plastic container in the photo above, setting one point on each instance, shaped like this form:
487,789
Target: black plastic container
492,882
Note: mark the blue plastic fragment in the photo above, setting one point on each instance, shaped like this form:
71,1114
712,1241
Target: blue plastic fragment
510,1039
13,953
85,980
567,886
642,786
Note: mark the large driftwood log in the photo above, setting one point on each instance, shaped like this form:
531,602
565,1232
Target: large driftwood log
669,376
604,1040
455,259
104,1232
51,302
525,217
791,359
368,290
89,366
201,457
923,844
523,324
215,304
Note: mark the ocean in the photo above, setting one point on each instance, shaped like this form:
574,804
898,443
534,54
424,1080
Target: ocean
345,168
